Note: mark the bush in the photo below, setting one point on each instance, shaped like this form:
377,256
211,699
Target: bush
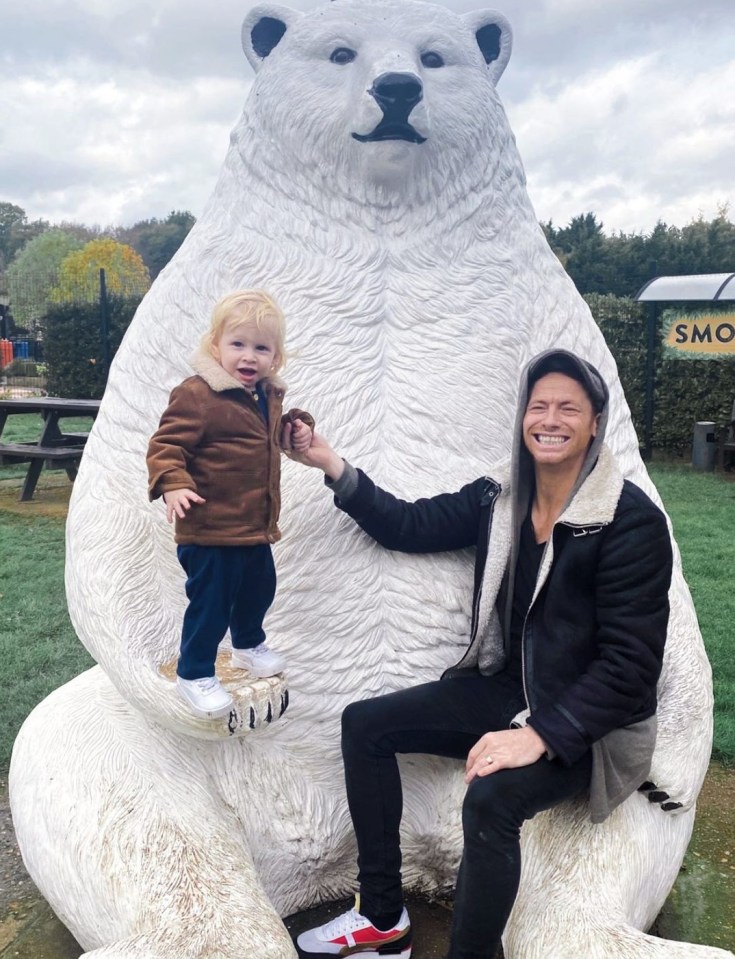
73,347
686,390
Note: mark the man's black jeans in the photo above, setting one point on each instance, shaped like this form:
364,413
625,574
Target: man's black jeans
446,718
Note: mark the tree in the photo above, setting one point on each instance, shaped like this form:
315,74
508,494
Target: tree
84,233
34,272
585,250
79,274
709,246
15,231
11,217
158,240
621,264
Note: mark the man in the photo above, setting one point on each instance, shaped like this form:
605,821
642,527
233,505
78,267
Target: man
556,693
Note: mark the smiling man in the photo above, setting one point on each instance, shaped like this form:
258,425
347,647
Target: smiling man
555,697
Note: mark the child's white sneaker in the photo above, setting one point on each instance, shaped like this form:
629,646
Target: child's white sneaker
260,661
206,697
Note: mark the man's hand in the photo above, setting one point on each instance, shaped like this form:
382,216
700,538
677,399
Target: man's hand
179,502
317,453
507,749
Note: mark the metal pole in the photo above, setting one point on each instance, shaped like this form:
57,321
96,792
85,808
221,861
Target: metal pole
104,324
651,329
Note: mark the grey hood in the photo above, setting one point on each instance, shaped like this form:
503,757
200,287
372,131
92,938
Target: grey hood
522,471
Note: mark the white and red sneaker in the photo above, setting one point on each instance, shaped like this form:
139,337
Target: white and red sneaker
352,934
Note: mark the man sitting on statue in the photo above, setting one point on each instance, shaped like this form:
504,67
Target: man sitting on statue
556,693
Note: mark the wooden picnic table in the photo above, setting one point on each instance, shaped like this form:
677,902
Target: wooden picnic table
54,449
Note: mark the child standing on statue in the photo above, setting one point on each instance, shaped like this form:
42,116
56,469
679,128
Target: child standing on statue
215,460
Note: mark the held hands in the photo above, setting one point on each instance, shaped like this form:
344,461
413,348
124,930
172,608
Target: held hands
316,452
507,749
299,436
179,502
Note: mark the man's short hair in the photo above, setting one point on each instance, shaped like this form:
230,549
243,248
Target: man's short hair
562,361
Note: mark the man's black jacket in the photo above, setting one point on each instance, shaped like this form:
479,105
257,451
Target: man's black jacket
595,634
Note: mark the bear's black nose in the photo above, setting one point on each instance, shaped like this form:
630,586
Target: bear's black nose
397,93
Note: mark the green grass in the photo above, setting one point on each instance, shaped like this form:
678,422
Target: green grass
702,510
27,428
39,650
38,647
20,429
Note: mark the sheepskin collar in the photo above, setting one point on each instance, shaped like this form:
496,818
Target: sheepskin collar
596,500
219,380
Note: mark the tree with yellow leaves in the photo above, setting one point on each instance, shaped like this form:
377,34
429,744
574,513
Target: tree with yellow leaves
79,273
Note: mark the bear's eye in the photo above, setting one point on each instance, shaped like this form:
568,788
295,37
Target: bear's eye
432,59
342,55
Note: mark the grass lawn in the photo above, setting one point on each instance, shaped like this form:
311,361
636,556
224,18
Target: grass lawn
20,429
702,510
27,428
38,647
39,650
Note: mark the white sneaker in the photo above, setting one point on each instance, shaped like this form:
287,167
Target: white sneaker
260,661
206,697
353,934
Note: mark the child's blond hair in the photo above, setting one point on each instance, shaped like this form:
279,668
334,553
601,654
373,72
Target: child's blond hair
251,308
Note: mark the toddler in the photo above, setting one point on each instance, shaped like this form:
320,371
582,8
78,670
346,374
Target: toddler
215,460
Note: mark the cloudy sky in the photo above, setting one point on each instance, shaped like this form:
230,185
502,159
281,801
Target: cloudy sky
114,111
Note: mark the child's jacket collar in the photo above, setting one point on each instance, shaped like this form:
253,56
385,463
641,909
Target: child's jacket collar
218,379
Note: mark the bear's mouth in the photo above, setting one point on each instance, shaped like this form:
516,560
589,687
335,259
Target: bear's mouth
391,130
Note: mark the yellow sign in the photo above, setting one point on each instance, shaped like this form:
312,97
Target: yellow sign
701,334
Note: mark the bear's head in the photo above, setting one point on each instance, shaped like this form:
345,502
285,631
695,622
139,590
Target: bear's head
368,100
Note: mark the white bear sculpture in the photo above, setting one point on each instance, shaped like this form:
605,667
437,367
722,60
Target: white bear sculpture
373,185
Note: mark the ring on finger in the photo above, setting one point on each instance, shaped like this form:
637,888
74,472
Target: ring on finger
489,760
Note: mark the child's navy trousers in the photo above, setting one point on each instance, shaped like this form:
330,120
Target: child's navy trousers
227,586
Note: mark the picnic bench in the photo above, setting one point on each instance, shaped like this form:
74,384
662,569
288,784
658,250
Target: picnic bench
54,448
727,442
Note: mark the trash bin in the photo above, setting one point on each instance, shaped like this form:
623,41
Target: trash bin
6,353
704,447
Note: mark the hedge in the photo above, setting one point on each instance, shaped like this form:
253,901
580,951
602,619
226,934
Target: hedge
686,390
73,348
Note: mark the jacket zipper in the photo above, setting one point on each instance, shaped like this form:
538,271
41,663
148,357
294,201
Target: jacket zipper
269,432
577,531
492,493
536,591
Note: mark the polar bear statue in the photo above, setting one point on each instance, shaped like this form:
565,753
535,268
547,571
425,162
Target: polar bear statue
373,185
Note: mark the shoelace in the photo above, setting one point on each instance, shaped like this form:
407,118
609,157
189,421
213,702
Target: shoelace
347,922
207,685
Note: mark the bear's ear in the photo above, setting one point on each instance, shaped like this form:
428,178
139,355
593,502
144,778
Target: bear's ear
494,38
263,29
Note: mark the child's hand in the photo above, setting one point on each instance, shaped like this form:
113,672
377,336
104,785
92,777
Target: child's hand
179,502
300,436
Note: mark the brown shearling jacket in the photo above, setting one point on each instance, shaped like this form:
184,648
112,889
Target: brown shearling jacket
213,439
